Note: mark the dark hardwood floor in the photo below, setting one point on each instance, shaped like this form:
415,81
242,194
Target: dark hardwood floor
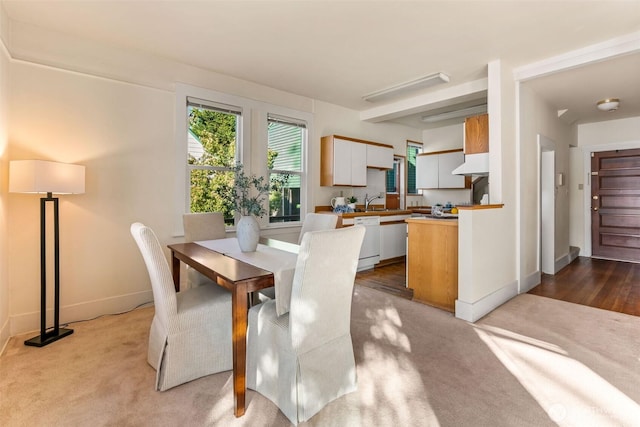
609,285
389,278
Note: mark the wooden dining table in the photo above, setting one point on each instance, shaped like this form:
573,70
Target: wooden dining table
242,280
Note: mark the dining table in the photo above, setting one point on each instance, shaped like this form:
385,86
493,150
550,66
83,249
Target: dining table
272,264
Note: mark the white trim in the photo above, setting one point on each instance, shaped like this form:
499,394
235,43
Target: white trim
579,57
530,282
472,312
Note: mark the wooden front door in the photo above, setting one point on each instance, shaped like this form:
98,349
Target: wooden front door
615,205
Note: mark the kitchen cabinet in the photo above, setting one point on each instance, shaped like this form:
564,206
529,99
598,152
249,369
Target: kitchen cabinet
393,240
433,170
476,134
342,162
432,261
379,156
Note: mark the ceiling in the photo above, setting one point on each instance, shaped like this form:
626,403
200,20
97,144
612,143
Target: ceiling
338,51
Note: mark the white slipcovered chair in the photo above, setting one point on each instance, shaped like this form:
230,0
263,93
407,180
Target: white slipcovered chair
190,334
202,226
312,222
316,222
304,359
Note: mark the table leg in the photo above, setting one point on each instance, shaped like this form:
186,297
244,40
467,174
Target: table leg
239,331
175,271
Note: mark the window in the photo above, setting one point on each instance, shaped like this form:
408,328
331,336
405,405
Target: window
285,147
214,130
393,177
212,146
413,149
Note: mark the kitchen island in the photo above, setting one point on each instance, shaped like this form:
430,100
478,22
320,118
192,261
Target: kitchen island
432,261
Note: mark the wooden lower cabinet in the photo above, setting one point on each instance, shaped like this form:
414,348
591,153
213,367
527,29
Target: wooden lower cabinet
432,261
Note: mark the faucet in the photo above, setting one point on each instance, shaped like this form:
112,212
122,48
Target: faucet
368,200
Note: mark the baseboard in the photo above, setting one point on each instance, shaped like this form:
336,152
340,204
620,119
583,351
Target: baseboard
561,263
27,322
471,312
4,336
530,282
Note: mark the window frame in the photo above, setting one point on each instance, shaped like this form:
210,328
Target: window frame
251,150
419,146
303,164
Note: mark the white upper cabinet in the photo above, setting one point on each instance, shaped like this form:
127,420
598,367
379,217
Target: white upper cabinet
342,162
379,156
433,170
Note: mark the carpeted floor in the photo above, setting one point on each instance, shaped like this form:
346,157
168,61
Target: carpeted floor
532,362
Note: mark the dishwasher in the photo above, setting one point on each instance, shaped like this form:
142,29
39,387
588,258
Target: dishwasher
370,250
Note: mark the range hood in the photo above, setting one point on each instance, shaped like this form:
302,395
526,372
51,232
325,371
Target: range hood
474,164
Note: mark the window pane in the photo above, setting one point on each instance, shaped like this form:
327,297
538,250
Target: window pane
412,152
207,187
284,161
212,137
284,199
392,183
285,147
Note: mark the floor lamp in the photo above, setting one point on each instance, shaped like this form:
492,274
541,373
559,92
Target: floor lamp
39,176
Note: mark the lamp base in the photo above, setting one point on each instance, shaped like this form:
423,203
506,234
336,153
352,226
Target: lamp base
49,337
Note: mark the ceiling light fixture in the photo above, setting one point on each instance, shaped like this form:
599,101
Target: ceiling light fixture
465,112
610,104
413,85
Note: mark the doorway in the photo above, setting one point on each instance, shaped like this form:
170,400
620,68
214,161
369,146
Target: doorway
615,205
395,184
547,214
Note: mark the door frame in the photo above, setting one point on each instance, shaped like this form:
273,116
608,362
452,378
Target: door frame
546,204
586,168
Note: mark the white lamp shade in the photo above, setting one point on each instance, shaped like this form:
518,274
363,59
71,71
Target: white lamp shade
40,176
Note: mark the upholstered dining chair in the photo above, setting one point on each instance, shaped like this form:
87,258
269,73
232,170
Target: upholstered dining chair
202,226
312,222
316,221
190,334
304,359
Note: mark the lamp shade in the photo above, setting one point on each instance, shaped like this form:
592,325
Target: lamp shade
40,176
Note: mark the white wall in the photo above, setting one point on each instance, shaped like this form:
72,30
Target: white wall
599,136
4,163
537,117
487,261
120,125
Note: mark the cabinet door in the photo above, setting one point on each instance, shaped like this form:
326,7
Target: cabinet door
393,240
342,162
427,171
447,162
358,164
379,156
476,134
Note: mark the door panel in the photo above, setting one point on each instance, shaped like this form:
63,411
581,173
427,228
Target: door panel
615,204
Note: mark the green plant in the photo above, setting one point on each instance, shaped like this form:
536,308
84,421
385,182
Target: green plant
352,199
240,195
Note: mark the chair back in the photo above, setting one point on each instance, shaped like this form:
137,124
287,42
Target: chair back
322,288
203,226
164,292
317,222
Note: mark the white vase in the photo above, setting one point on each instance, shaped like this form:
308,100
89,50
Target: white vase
248,233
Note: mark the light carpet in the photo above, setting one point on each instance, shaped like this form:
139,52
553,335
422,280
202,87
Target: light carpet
532,362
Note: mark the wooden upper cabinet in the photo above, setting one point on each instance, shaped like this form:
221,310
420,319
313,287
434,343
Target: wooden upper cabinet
476,134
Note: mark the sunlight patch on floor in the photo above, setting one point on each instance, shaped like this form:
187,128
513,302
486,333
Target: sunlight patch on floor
570,392
388,382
